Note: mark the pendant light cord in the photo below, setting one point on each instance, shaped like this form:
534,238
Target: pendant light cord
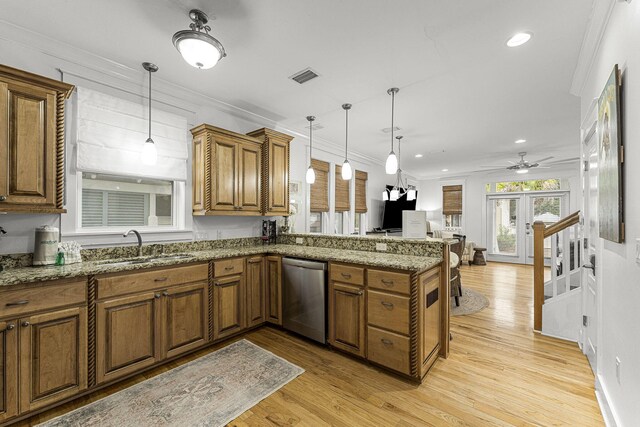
149,104
393,103
346,135
310,140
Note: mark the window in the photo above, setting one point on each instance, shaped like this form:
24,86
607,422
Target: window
315,222
453,221
319,196
339,223
117,201
358,221
519,186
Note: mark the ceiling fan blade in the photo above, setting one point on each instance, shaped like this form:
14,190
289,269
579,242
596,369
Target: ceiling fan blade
544,160
512,162
489,170
492,167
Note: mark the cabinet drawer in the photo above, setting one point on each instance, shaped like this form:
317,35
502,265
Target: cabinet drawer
227,267
388,311
42,297
389,281
389,349
130,282
347,274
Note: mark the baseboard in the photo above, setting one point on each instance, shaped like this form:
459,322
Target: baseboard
610,418
558,337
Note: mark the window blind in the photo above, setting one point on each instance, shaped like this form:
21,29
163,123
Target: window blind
320,188
343,202
102,208
111,133
452,199
361,191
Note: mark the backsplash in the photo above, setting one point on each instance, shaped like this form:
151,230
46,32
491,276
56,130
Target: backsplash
395,245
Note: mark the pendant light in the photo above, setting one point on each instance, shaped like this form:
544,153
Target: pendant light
311,174
149,152
198,48
346,166
391,166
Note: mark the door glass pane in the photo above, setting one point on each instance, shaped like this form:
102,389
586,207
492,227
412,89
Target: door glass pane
505,221
548,210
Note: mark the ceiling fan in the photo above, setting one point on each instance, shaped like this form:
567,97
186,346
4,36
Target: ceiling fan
523,166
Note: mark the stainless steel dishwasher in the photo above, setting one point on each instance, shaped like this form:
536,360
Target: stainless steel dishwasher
305,298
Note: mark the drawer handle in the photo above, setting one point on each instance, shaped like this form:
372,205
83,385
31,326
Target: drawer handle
229,268
21,302
358,293
346,275
160,279
388,305
9,327
3,198
386,341
387,282
25,323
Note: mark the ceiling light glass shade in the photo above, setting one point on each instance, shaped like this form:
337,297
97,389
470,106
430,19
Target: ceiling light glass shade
347,173
411,194
311,175
395,194
149,153
521,171
519,39
391,167
198,49
385,195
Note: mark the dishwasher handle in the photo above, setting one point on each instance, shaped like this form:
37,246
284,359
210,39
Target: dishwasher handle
312,265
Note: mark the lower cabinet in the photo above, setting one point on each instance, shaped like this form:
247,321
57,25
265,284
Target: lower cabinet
8,369
186,323
255,291
347,318
273,284
229,306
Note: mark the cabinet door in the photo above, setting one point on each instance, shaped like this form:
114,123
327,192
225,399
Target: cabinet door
8,370
199,202
346,318
28,145
274,289
127,335
186,322
255,291
278,197
250,179
53,357
229,306
429,317
224,160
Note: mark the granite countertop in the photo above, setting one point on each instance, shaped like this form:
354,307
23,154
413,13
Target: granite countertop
15,276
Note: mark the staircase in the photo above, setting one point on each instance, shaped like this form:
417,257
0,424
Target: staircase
558,300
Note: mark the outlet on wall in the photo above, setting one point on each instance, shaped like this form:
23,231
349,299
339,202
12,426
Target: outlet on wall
618,368
381,247
299,241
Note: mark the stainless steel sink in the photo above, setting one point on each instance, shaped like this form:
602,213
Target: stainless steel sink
171,257
118,262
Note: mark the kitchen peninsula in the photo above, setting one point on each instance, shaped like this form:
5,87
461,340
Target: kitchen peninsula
116,314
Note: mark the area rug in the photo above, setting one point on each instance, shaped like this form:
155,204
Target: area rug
471,302
210,391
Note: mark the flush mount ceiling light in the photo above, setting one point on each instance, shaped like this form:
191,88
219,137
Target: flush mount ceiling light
149,152
311,174
346,166
418,156
391,166
196,45
519,39
520,141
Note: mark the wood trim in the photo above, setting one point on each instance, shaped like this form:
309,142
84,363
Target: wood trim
60,157
10,370
413,325
557,227
211,301
91,338
225,133
35,79
538,273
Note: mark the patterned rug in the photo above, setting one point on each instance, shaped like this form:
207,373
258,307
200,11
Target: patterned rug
471,302
210,391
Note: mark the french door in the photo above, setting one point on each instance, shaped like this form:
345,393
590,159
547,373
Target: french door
510,219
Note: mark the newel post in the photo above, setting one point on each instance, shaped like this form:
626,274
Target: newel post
538,274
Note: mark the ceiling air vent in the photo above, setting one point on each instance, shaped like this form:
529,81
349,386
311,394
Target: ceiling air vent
304,76
388,130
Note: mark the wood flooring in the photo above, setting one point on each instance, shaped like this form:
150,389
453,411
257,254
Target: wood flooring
499,373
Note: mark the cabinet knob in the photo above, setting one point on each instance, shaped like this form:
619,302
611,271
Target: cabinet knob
156,295
165,294
3,198
25,323
10,327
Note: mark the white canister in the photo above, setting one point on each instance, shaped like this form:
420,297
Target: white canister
46,245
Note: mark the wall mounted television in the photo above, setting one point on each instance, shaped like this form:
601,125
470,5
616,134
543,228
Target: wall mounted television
392,214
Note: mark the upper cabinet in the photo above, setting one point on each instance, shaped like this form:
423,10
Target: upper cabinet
275,178
235,174
31,142
227,172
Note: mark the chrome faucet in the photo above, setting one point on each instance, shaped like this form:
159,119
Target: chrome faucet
2,231
138,236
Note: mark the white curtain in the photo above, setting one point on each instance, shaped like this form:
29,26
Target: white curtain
111,133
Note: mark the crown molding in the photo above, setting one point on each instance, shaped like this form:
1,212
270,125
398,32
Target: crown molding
598,21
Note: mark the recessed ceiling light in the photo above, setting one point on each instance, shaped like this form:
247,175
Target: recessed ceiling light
522,171
521,141
418,156
519,39
445,170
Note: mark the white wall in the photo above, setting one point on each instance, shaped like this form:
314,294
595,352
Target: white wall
31,52
619,272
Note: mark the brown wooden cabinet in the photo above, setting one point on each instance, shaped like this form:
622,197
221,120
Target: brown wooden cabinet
347,324
273,277
227,172
53,357
429,316
8,369
186,324
31,142
275,169
255,291
229,306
